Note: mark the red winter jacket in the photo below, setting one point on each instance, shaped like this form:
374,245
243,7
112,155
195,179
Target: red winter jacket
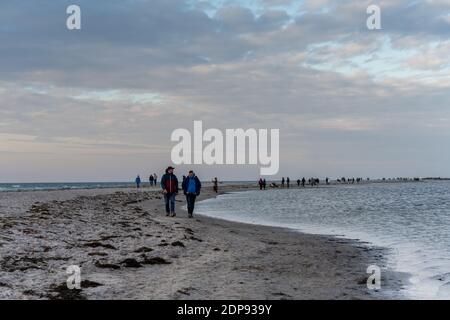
169,182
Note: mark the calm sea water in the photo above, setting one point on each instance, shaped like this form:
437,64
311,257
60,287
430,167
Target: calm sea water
412,219
62,186
84,185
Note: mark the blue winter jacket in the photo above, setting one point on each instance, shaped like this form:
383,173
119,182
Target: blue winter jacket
198,185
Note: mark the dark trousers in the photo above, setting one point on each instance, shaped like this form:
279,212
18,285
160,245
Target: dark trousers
169,199
190,199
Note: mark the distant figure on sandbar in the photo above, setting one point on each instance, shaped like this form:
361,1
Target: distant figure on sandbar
282,182
151,179
261,183
327,181
288,182
138,181
169,185
303,182
155,177
191,189
264,184
216,185
298,183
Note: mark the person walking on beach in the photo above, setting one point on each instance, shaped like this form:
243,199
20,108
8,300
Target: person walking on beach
264,184
288,182
155,179
138,181
303,182
169,185
282,182
191,189
151,179
216,185
260,183
298,183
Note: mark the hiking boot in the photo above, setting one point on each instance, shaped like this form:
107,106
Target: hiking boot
173,214
167,214
190,216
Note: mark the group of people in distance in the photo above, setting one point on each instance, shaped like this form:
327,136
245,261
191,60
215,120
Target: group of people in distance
262,184
190,185
287,183
153,179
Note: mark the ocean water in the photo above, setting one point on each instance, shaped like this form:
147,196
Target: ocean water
62,186
83,185
411,219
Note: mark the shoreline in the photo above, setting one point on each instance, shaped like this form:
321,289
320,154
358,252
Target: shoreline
394,282
128,249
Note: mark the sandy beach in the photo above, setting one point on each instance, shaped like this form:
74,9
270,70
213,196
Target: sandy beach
128,249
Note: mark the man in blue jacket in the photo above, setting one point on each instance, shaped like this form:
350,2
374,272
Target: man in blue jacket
191,189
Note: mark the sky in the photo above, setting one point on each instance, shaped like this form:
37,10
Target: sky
100,103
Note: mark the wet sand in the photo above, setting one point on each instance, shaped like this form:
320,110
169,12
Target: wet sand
128,249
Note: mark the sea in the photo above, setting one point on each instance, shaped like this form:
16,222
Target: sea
62,186
411,219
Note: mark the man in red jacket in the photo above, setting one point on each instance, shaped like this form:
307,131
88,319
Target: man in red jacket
169,185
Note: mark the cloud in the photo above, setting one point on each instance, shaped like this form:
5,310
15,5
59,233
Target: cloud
139,69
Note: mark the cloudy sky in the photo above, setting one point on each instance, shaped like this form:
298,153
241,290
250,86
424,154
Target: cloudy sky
99,104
